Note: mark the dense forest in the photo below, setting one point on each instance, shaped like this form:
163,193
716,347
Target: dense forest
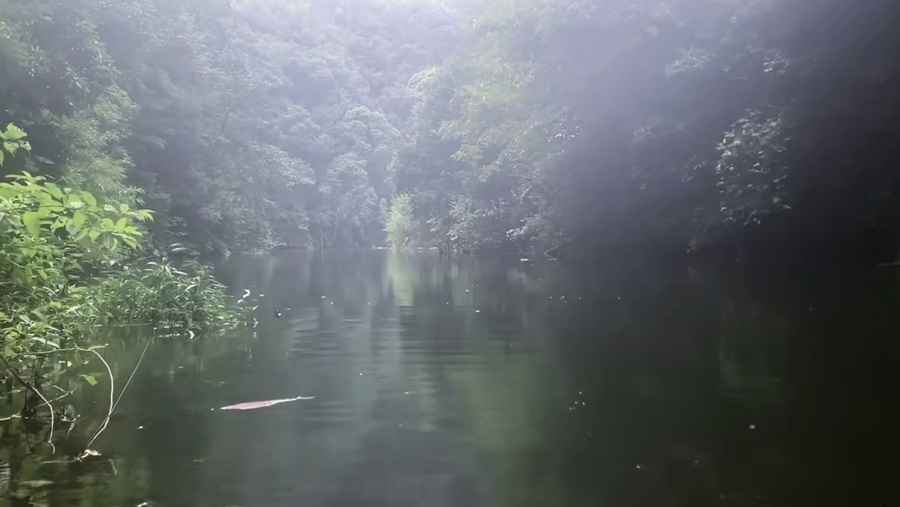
544,126
142,141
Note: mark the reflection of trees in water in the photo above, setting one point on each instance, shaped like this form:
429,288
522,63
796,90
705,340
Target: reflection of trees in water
617,385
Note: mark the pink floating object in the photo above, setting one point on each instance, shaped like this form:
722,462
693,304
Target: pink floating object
253,405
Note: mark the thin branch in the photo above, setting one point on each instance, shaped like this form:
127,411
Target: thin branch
54,400
72,349
52,418
112,391
113,400
131,376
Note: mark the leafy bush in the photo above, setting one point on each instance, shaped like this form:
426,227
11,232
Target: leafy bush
65,270
69,266
169,298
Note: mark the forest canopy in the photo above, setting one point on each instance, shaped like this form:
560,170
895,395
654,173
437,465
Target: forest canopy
541,126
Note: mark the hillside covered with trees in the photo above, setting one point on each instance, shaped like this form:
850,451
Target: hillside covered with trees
519,125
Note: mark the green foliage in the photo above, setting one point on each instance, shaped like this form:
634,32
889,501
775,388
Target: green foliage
167,298
52,237
68,269
641,125
527,124
12,140
399,225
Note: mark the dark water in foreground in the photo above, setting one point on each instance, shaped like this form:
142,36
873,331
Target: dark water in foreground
496,383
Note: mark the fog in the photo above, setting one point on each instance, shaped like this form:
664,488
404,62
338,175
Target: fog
485,210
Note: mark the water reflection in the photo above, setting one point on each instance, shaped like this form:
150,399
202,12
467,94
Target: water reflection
452,383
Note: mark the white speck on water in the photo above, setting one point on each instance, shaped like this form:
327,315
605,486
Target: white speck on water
638,467
140,427
752,427
477,311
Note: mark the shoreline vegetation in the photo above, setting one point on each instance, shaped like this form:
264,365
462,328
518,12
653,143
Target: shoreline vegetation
72,265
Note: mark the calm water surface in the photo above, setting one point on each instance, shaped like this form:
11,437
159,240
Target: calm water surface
472,383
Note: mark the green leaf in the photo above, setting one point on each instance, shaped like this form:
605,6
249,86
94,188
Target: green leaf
90,379
54,190
14,133
12,148
1,157
78,219
32,222
122,223
89,199
131,242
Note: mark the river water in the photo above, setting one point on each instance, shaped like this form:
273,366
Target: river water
492,382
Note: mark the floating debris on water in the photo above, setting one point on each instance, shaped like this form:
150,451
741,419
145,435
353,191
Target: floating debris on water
253,405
